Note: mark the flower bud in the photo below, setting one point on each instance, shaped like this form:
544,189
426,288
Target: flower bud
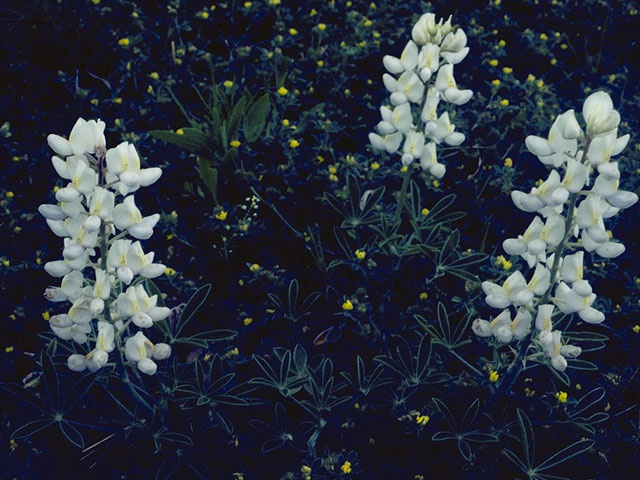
76,362
161,351
147,366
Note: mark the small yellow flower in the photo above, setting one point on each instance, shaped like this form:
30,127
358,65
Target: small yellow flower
376,34
424,212
94,101
375,166
636,328
169,272
564,46
247,321
254,267
10,194
305,469
320,63
174,214
368,23
504,102
435,183
95,2
424,295
360,254
553,61
495,83
154,75
347,92
38,260
531,78
333,169
404,168
508,162
283,91
507,70
346,468
8,349
502,43
221,215
247,4
347,305
293,31
313,12
228,83
6,262
12,443
46,315
493,376
204,15
293,143
493,62
123,42
235,143
322,27
117,100
180,131
543,36
333,178
170,236
422,419
540,83
562,397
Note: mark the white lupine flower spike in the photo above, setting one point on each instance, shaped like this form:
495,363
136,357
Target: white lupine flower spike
565,209
94,206
419,79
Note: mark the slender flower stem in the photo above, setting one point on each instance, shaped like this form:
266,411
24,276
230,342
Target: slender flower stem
403,195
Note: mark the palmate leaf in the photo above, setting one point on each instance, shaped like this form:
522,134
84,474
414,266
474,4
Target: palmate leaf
71,433
441,331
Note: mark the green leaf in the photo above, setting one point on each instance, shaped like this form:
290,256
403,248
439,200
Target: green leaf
193,305
193,139
31,428
50,377
528,438
566,453
209,176
72,433
26,396
78,391
256,118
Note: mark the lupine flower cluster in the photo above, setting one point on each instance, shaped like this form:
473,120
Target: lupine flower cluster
94,214
566,208
423,75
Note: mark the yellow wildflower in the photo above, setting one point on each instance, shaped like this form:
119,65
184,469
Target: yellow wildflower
360,254
322,27
346,467
293,143
502,43
247,321
228,83
169,272
504,102
347,305
424,295
375,166
154,75
10,194
46,315
543,36
293,31
8,349
562,397
254,267
508,162
493,62
495,83
636,328
235,143
493,376
507,70
422,419
123,42
283,91
425,212
221,215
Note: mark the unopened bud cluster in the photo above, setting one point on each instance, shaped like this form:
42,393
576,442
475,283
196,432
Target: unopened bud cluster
568,205
423,75
94,214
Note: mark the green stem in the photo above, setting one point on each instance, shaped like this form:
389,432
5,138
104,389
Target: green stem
403,195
